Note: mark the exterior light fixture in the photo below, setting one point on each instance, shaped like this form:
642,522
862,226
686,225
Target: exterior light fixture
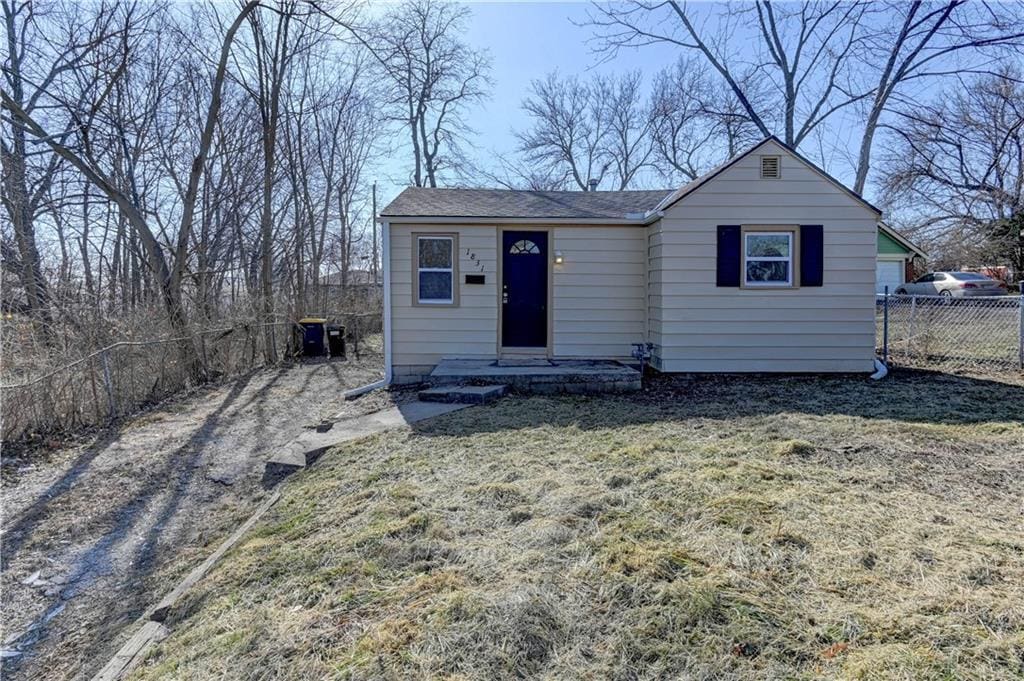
558,258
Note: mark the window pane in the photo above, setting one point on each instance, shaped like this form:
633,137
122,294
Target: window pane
768,245
524,246
968,276
436,286
768,271
435,252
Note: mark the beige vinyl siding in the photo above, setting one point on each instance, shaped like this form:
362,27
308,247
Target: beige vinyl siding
425,334
701,327
597,296
599,291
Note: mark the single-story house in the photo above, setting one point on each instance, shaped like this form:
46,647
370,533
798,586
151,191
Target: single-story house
896,256
765,264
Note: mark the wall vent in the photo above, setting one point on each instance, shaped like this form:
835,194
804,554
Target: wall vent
770,167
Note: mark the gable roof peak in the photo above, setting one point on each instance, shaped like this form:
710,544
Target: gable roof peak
693,185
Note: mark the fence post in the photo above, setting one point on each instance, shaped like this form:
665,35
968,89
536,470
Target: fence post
95,392
108,383
885,329
1020,331
357,336
912,327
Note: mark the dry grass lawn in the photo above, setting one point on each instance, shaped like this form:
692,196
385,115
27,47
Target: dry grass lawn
714,528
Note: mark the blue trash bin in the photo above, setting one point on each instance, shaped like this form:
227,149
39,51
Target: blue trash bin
314,336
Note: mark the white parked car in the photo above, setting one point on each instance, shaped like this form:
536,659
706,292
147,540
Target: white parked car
953,285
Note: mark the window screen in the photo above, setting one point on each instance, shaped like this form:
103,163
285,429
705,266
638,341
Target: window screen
768,258
435,272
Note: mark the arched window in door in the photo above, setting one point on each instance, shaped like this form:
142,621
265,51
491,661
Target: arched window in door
523,247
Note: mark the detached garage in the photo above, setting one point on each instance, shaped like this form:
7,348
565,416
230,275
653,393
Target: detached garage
896,256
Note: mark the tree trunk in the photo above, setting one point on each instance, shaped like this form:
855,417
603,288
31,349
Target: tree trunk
16,188
37,294
866,142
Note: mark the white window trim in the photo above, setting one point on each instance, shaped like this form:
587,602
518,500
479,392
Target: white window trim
450,300
769,258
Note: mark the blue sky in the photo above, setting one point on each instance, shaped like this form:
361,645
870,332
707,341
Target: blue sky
527,40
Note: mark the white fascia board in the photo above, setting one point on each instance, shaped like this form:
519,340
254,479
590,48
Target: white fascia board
447,220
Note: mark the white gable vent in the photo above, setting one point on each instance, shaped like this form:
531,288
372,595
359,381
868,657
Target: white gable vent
769,167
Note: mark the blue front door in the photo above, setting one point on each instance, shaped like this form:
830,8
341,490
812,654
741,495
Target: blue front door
524,290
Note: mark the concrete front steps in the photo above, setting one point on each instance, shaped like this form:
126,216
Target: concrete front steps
576,377
463,394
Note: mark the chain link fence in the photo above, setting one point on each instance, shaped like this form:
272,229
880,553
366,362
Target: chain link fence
982,335
47,396
44,390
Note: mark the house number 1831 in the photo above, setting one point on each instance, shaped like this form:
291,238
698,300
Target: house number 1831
477,264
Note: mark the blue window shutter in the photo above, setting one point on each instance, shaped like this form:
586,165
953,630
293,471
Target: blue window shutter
729,260
812,255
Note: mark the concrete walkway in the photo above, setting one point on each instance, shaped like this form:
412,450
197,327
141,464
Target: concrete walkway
90,528
297,454
306,448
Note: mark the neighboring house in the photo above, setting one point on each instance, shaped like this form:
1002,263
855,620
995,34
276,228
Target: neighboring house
764,264
896,256
1001,273
358,285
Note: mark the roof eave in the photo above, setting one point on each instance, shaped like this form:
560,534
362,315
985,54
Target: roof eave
902,240
852,194
493,220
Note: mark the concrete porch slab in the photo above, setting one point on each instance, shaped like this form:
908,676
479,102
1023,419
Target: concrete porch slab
524,362
557,376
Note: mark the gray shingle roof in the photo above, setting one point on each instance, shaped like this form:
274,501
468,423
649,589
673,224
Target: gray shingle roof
508,203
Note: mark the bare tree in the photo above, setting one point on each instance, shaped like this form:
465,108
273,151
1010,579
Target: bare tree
40,63
694,124
586,132
957,168
628,123
803,51
569,134
511,172
332,131
433,79
131,173
821,58
78,147
274,48
915,41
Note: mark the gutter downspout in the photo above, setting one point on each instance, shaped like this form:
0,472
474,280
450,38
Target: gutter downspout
880,370
386,269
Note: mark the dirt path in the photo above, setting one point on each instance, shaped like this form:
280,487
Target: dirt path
94,534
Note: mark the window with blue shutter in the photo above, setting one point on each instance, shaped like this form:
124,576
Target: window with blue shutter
729,258
766,256
812,255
